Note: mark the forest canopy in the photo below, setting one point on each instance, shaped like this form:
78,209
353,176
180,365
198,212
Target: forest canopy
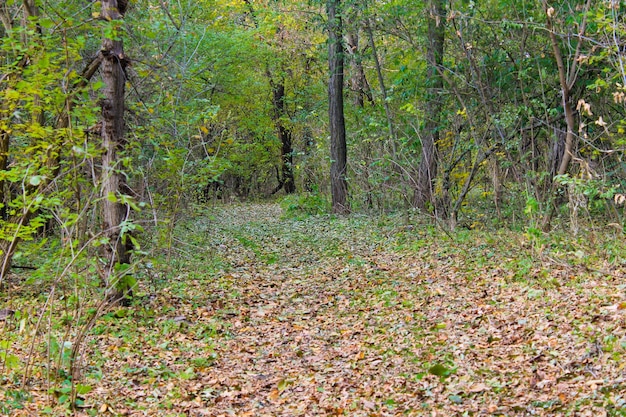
492,114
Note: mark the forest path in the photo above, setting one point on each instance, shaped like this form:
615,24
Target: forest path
327,316
362,316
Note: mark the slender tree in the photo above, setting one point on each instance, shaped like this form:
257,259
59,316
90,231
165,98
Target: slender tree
338,151
427,170
286,180
114,212
381,83
568,74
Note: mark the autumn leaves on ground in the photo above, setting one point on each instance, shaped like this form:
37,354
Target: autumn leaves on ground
260,314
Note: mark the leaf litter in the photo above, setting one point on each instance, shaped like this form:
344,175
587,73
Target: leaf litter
358,316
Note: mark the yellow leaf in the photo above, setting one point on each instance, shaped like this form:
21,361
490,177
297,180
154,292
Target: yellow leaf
274,395
204,129
282,385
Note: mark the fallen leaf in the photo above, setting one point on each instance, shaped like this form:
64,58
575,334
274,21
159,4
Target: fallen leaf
274,394
479,387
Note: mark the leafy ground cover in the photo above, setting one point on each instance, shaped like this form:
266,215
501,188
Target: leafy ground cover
257,314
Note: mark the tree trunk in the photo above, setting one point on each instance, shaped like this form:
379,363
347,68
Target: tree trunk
338,151
4,159
7,24
358,80
427,170
287,181
568,75
383,89
114,213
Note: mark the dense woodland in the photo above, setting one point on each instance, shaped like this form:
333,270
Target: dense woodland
120,119
492,114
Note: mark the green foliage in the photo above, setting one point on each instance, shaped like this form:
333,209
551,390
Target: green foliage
308,204
60,351
14,400
9,361
44,119
596,192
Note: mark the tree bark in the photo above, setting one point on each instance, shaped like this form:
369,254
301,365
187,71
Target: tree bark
4,160
567,80
114,213
338,151
287,181
383,89
358,80
427,170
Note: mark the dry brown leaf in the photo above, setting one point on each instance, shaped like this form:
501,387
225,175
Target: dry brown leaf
478,387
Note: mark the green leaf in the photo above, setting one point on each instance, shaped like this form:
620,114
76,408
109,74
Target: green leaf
455,399
126,282
188,374
46,23
439,370
82,389
283,384
10,361
121,313
12,95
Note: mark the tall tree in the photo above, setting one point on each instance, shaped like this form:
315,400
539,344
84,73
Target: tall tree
114,211
427,170
277,83
568,74
567,78
286,180
338,151
381,83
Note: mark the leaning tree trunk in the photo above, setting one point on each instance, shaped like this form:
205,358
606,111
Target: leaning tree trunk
383,89
568,75
114,213
338,151
427,170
